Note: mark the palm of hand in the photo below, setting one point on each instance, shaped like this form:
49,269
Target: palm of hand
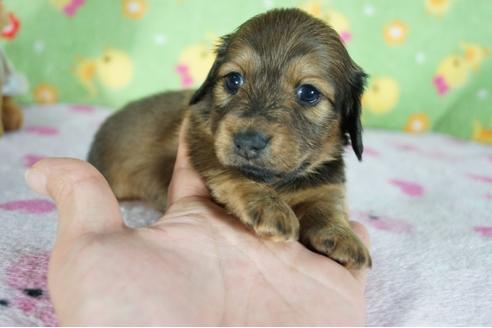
196,266
200,266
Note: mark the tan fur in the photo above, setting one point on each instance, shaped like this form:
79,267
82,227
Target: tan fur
11,116
324,224
256,205
244,60
149,132
1,115
299,192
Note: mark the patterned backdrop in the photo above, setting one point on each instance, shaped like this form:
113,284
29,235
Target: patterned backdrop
429,61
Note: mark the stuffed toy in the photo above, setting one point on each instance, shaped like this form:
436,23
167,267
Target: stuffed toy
10,84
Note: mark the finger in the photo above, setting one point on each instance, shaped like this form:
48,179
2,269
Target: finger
84,199
361,232
185,182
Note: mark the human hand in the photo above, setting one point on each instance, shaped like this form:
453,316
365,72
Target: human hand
196,266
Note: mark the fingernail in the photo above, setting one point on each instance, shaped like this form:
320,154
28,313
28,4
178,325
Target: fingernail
36,180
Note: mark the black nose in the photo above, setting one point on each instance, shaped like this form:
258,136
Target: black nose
249,144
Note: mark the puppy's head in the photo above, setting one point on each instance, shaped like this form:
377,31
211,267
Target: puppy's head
282,97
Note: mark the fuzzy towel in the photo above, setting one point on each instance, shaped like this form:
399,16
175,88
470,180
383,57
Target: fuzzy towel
426,200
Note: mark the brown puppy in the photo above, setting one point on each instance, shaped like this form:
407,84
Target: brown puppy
266,132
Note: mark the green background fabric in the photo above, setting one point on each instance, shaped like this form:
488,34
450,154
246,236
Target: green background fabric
430,61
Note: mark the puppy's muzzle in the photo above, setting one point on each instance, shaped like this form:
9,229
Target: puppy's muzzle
250,144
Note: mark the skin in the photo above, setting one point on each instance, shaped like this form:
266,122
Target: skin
195,266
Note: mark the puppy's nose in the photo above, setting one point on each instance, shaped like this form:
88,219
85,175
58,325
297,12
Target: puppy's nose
249,144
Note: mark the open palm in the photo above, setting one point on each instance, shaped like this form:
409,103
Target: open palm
195,266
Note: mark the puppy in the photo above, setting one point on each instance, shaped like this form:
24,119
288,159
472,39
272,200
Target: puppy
266,132
11,117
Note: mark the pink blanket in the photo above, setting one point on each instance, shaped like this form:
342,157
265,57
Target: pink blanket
426,200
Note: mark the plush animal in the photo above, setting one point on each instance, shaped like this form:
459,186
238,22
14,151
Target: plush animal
10,114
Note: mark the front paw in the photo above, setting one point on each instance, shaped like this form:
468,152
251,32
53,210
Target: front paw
340,244
272,218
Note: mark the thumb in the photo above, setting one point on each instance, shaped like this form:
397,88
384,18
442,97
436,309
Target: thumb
361,231
83,197
186,182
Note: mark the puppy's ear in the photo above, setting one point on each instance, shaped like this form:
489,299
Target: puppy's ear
212,74
351,108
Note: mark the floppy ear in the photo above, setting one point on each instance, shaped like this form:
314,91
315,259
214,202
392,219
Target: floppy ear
351,109
212,74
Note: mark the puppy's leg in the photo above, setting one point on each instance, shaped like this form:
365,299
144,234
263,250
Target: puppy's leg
256,205
135,149
12,114
325,228
136,179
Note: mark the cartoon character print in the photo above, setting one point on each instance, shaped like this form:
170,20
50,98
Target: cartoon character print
114,70
9,23
454,70
337,20
68,7
474,54
27,276
437,7
381,95
395,32
194,63
417,123
45,94
340,23
134,9
10,30
481,133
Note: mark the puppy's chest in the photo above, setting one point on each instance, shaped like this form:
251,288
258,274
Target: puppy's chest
322,193
330,173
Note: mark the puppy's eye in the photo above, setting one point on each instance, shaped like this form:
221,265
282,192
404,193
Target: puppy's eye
233,81
308,95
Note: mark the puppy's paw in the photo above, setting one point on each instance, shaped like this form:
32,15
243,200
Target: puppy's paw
273,219
340,244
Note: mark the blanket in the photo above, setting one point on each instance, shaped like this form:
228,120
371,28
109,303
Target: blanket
425,199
